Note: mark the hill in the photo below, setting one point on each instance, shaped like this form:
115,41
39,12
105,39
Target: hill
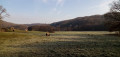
16,26
34,24
7,24
87,23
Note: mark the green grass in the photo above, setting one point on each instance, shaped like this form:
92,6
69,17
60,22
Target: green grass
59,44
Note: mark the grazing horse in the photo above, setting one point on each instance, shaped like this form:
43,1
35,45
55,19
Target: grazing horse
26,30
47,34
13,29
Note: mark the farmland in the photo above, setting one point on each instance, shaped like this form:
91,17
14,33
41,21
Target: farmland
59,44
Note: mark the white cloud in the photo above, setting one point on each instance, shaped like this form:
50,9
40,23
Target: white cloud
103,7
45,1
60,3
106,4
59,12
54,9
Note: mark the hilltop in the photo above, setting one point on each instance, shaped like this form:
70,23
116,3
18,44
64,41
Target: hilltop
92,23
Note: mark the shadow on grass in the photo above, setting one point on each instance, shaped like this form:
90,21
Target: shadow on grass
113,35
70,49
88,46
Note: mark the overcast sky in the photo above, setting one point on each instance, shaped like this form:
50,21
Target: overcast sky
48,11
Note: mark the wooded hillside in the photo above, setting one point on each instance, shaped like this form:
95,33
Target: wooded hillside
87,23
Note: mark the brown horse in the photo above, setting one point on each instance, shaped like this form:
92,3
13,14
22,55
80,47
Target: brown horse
47,34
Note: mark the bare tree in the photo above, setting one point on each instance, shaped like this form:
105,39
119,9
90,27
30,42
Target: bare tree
3,14
113,17
115,6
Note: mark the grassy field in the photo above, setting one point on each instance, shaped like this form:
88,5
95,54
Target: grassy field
59,44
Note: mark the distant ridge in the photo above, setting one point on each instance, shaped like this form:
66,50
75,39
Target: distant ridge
33,24
87,23
7,24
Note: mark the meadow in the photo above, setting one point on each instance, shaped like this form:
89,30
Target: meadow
59,44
